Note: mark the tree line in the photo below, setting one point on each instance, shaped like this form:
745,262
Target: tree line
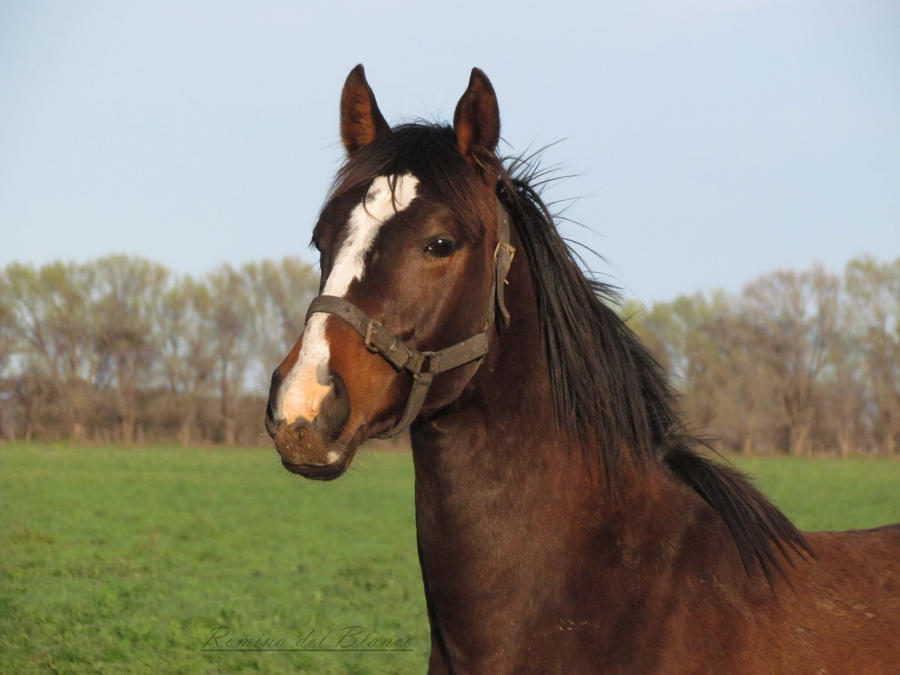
121,349
797,363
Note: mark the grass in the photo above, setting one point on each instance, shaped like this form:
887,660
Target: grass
136,559
128,559
829,493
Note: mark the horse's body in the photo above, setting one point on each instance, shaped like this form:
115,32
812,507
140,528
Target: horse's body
564,522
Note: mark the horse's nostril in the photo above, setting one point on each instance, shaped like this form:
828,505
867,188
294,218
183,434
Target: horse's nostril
274,387
335,410
271,424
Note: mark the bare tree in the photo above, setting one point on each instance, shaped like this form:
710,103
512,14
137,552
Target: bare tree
793,322
187,354
280,294
7,350
231,323
874,291
128,293
52,323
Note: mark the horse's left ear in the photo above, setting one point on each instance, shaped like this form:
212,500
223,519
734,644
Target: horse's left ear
477,119
361,120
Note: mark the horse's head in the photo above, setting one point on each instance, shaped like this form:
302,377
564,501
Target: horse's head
413,253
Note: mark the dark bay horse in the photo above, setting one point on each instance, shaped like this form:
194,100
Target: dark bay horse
566,522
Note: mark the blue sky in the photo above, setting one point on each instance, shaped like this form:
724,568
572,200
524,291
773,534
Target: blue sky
712,141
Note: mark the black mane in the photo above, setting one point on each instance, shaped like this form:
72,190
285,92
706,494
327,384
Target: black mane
609,392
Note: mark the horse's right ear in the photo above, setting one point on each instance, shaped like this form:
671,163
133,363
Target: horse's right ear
361,120
477,120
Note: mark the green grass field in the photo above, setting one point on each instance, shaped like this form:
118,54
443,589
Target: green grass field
139,559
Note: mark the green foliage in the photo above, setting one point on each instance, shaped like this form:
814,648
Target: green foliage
127,560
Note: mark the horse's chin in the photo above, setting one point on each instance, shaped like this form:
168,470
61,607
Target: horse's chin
333,465
317,471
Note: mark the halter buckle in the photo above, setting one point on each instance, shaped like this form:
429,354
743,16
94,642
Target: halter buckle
371,327
430,365
505,248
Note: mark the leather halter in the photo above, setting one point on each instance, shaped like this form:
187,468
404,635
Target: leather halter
423,366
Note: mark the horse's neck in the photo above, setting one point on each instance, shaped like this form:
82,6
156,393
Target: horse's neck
492,504
495,466
490,480
519,544
513,521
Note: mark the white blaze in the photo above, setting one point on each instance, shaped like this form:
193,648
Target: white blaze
306,385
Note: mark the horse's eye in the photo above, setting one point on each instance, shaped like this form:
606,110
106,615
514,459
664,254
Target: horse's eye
442,247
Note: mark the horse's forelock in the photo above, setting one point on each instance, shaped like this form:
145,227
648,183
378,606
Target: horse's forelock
430,154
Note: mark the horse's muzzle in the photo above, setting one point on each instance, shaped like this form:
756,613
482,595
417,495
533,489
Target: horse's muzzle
312,448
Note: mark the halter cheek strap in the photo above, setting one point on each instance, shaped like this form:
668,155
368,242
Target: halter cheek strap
423,366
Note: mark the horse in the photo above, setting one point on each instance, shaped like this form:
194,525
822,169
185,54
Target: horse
566,519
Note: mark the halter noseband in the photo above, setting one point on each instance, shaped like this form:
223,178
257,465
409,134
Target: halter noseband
423,366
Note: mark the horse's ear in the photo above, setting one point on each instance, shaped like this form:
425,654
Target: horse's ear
477,119
361,120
